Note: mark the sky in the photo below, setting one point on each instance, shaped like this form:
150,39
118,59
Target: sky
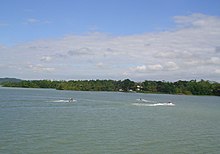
140,40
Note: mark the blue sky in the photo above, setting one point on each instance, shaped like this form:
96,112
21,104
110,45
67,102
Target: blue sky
110,39
30,20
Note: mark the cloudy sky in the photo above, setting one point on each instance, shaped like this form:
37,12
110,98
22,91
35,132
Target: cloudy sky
110,39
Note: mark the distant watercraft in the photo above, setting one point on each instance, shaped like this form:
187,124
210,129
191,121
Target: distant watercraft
145,102
71,100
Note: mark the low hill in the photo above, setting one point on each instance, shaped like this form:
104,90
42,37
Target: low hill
9,80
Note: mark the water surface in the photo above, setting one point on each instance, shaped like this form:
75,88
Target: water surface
37,121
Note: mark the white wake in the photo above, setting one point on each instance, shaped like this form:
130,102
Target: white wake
63,101
156,104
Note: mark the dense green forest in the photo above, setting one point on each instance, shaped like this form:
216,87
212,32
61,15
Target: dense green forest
192,87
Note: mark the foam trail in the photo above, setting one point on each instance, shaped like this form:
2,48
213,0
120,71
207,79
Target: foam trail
63,101
156,104
144,100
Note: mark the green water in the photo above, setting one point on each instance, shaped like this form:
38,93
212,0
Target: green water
39,121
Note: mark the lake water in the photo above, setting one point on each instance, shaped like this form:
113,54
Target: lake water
39,121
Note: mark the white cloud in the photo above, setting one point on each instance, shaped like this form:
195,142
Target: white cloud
141,68
46,58
156,67
100,65
167,54
217,71
171,66
185,50
214,60
80,51
40,68
168,66
197,20
33,21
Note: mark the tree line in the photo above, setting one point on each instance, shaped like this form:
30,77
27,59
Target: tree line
192,87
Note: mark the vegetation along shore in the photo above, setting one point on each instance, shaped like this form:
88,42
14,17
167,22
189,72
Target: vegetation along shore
191,87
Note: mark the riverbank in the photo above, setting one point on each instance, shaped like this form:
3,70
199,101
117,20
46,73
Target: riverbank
191,87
